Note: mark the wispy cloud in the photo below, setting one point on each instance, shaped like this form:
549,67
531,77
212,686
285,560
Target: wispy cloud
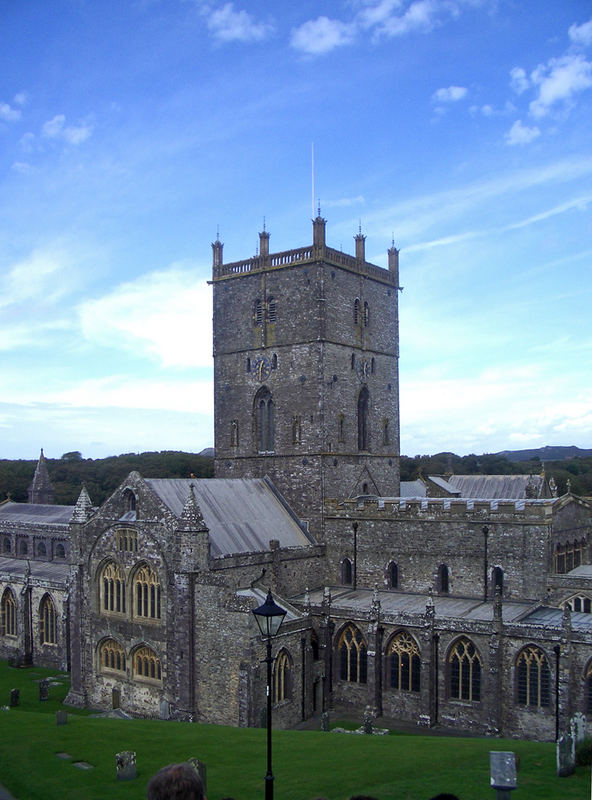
8,113
558,81
321,35
56,128
581,34
164,315
521,134
228,25
451,94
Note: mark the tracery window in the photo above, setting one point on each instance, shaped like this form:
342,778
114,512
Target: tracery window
533,678
8,614
352,655
112,587
403,663
127,540
465,667
282,677
147,593
346,572
264,412
356,311
580,603
568,556
146,664
392,575
363,423
47,621
112,656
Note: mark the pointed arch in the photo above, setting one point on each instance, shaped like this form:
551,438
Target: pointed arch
282,677
363,421
146,593
112,589
111,656
264,420
403,663
346,572
464,671
8,613
392,575
146,664
533,678
353,655
48,633
497,579
443,579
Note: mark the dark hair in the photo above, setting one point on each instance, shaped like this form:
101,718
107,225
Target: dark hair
175,782
444,796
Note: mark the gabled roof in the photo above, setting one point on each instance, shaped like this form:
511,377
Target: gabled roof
35,513
412,488
241,514
502,487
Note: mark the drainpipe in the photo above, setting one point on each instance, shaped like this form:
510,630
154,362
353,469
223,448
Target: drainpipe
557,651
485,558
355,575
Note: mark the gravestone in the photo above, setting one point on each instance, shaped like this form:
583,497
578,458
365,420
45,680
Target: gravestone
125,763
165,712
61,717
44,689
578,727
325,721
502,772
368,720
200,768
566,756
15,695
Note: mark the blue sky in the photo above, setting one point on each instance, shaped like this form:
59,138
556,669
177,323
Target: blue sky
131,130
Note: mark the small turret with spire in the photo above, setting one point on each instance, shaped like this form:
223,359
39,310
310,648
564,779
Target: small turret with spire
41,491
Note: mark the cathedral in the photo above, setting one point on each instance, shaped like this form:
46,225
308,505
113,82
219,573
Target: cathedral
451,602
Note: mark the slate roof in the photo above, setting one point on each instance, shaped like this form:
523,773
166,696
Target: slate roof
34,513
553,616
410,489
506,487
41,570
242,514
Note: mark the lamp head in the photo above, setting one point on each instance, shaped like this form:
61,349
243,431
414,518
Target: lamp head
269,617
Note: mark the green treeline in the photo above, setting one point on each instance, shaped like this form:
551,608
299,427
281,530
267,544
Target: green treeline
101,476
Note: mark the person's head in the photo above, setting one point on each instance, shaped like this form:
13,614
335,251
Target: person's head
175,782
444,796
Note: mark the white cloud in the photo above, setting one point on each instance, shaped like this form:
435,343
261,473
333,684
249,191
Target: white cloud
42,277
449,95
228,25
8,113
321,35
164,315
581,34
518,80
23,167
421,16
21,99
521,134
344,202
558,81
56,128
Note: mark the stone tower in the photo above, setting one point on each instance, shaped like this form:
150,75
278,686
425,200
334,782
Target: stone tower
306,372
41,490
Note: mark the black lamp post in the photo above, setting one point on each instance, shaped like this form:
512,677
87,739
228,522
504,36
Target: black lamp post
269,617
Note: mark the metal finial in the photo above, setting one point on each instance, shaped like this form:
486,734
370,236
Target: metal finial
393,239
263,224
217,233
319,212
360,227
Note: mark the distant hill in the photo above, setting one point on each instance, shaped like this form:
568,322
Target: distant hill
554,453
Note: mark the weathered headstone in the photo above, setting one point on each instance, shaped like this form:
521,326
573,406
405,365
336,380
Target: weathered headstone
368,720
502,772
15,695
578,727
200,768
325,721
44,689
125,763
566,756
164,709
61,717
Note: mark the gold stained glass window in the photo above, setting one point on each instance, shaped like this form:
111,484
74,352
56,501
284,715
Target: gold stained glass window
112,656
147,664
47,621
147,593
8,613
465,667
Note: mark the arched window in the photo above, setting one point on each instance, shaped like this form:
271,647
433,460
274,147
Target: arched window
264,413
111,656
112,589
356,311
497,576
47,621
352,655
443,579
580,603
146,664
274,361
7,546
234,433
127,540
42,550
392,575
366,314
271,310
8,624
533,678
588,692
346,572
363,425
258,313
465,666
60,551
282,677
147,593
23,547
403,663
129,501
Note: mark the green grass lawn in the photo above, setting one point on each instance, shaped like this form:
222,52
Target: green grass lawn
306,764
